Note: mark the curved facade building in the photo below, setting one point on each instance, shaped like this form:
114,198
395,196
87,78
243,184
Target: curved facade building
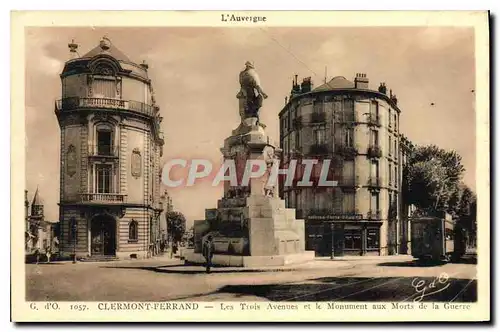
357,129
111,146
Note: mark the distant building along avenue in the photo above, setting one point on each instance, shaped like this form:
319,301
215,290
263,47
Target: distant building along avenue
358,129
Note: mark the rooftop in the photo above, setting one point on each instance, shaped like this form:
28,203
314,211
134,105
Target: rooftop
106,47
338,82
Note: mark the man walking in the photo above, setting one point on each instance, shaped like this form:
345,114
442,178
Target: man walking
208,251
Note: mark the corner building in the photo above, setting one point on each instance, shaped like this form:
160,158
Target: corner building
111,146
358,130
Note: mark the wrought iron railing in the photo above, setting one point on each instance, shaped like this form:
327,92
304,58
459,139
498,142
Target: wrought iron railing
374,215
374,151
320,149
103,151
318,117
374,182
373,120
72,103
348,181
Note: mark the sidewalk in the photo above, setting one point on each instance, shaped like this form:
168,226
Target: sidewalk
370,258
314,264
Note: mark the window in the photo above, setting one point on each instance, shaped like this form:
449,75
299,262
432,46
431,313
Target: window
374,204
104,88
372,238
395,121
349,202
104,143
298,200
349,137
319,201
374,108
318,107
291,200
390,119
319,136
374,137
396,177
390,145
348,110
352,239
103,179
390,174
395,147
297,140
133,234
374,170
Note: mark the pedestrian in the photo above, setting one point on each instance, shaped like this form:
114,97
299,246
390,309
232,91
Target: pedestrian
208,252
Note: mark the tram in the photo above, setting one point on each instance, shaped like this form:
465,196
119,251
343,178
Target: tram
437,239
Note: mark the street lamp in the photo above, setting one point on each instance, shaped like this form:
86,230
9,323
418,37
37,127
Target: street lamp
332,227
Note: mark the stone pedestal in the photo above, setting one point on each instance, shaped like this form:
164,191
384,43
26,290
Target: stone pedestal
251,226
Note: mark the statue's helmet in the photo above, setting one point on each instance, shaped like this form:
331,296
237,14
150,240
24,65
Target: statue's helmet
249,64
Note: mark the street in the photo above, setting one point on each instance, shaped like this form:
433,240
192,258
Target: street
391,279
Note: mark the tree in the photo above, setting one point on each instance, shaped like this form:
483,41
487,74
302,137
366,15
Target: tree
467,208
176,226
432,178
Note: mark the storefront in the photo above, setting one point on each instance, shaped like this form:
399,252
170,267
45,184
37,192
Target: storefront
349,237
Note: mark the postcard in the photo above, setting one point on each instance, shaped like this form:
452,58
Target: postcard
250,166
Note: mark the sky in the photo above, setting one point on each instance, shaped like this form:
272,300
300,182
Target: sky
195,77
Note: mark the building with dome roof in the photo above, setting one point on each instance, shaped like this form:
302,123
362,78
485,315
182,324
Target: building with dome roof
111,145
357,129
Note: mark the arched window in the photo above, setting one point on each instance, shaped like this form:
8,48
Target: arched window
133,231
104,139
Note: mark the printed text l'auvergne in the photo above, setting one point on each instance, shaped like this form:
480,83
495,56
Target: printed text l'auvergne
238,18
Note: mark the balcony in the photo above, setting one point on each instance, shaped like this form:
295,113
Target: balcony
297,123
374,182
346,118
318,117
103,151
374,151
374,215
103,198
346,151
319,149
74,103
349,181
373,120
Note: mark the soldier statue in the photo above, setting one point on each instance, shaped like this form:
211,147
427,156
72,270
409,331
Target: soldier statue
251,94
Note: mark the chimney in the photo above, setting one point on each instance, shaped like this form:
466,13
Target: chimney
72,49
144,65
295,86
306,85
382,88
361,81
394,99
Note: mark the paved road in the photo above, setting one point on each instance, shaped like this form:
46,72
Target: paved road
377,279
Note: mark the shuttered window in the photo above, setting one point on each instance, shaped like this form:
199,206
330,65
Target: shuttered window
102,88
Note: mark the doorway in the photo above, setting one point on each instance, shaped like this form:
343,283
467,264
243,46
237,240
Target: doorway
103,236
